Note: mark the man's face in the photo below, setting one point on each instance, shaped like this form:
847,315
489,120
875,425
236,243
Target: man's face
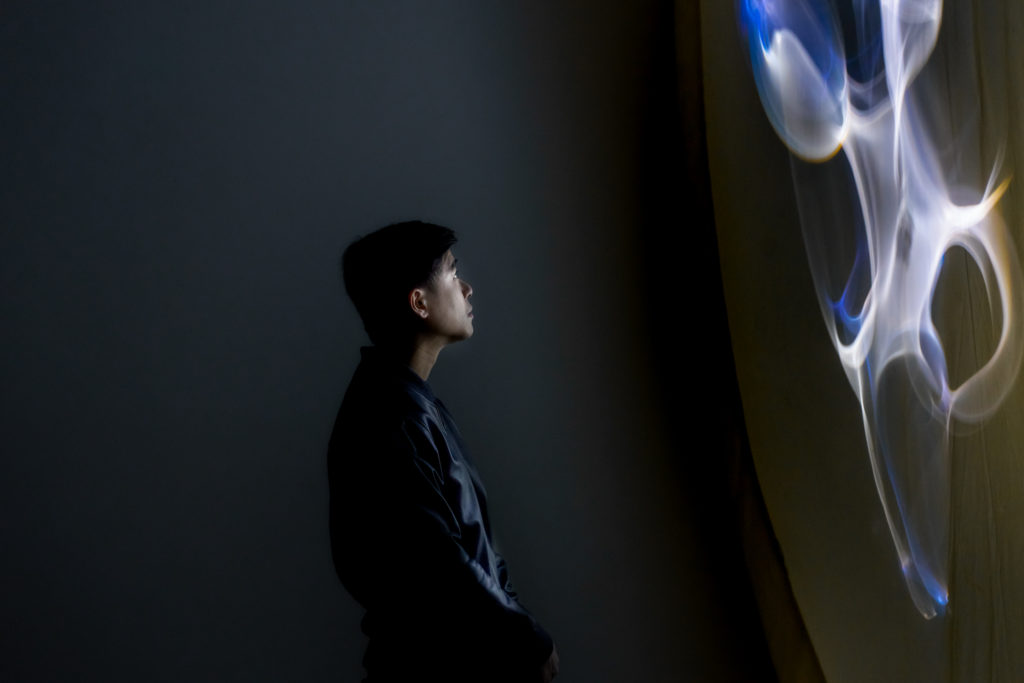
449,311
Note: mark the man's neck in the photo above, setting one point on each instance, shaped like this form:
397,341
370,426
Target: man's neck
424,356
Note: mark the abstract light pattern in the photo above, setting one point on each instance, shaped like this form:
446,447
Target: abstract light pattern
876,265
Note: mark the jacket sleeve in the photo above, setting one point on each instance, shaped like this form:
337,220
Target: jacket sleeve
450,582
505,578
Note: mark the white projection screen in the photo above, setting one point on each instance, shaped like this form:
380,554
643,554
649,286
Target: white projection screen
866,164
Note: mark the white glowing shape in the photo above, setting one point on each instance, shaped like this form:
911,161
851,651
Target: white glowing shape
798,63
893,357
814,120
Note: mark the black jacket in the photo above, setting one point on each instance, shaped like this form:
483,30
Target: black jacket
412,542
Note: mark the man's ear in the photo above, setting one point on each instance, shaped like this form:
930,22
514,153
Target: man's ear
418,302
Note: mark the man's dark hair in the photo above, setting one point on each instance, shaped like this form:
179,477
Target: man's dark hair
380,269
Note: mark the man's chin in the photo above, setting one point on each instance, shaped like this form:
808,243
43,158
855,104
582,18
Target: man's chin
465,334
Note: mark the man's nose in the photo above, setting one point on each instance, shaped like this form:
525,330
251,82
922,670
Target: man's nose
467,289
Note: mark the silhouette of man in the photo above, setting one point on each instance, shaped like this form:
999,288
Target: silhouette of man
410,535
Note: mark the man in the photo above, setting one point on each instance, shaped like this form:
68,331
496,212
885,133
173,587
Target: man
409,529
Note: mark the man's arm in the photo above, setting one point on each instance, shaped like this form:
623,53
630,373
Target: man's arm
430,531
395,542
503,576
434,531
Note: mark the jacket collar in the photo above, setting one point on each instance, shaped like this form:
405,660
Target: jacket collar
388,366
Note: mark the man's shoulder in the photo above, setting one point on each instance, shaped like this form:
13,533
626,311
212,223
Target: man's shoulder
383,410
375,398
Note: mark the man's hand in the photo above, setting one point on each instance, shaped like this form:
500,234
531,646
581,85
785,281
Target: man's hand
550,668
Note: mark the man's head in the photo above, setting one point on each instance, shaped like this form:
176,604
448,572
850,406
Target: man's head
403,282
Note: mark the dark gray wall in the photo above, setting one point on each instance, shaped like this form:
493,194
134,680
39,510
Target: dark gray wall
177,182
